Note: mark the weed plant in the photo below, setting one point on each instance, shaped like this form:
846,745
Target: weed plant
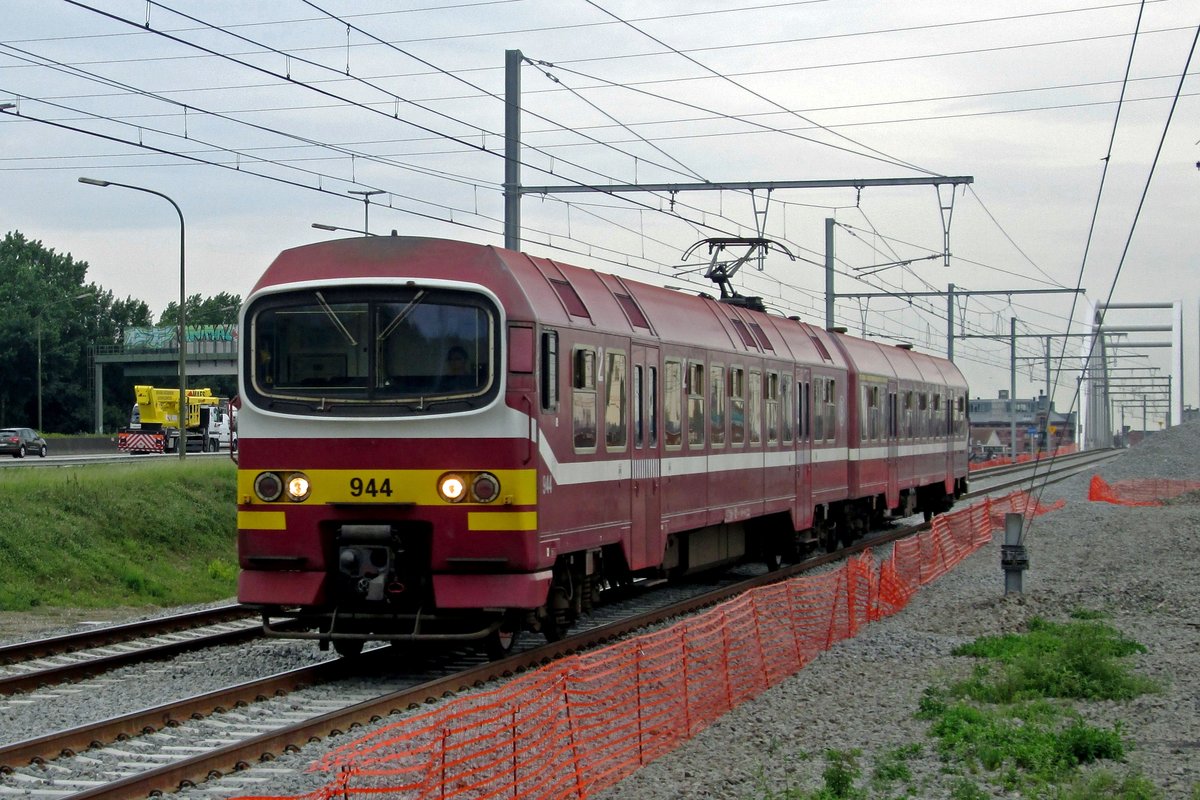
152,533
1013,724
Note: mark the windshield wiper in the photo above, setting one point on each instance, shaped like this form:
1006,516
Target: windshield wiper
336,322
400,317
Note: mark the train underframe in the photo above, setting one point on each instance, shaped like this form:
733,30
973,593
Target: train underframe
383,588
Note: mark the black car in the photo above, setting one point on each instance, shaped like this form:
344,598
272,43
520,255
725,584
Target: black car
19,441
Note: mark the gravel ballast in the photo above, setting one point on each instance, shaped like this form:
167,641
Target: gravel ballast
1137,565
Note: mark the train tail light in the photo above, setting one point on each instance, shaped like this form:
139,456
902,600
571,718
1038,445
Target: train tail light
485,488
268,487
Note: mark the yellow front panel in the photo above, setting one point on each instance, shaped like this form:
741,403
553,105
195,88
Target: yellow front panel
262,520
419,486
502,521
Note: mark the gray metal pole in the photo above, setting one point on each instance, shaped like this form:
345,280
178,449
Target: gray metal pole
1013,558
950,322
1012,388
829,222
512,149
99,398
1170,399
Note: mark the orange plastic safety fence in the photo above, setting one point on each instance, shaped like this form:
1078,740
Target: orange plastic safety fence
586,722
1139,491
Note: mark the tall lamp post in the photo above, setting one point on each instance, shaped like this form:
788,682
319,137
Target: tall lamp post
38,317
182,442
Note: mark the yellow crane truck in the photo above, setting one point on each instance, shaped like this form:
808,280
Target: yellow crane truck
154,422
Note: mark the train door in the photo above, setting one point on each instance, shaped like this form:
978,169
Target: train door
802,417
892,428
647,534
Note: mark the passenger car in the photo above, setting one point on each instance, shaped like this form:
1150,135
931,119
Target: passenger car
19,441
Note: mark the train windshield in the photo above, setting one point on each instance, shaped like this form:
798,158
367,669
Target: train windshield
370,351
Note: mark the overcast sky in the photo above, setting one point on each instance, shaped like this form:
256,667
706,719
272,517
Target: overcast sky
261,118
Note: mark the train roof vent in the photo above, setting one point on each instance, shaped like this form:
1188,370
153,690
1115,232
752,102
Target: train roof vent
761,335
837,329
821,348
569,297
743,332
905,345
632,311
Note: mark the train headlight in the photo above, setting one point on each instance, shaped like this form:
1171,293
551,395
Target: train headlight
268,487
485,488
452,487
298,487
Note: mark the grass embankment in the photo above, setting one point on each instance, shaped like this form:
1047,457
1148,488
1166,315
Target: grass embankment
153,533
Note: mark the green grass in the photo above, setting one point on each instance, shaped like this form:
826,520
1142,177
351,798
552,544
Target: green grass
1013,725
153,533
1013,720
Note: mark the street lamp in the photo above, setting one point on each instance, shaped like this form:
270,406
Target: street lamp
182,443
367,194
323,227
38,317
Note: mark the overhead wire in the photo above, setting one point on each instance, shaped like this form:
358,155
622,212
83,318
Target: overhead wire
287,78
569,204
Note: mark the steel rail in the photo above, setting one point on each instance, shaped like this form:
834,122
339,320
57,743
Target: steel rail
90,666
123,632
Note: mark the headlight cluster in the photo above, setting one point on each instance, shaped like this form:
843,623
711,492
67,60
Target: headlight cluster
271,486
480,487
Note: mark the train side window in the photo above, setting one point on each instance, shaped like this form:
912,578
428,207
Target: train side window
754,419
817,410
652,398
673,404
695,395
869,416
785,405
802,425
716,414
772,399
737,405
639,408
583,398
616,427
549,376
893,426
831,409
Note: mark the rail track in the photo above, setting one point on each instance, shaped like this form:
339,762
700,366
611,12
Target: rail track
25,666
1015,476
210,735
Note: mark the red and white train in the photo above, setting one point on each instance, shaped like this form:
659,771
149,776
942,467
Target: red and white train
443,439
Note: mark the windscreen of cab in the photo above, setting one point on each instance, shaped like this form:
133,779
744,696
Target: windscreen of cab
372,351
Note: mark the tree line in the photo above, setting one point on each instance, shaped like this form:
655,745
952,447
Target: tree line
44,295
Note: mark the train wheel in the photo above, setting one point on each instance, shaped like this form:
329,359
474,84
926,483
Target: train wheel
501,642
348,648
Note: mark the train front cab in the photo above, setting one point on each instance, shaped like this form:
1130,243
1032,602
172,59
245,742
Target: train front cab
382,493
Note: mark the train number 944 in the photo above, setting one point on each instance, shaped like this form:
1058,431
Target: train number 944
370,487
